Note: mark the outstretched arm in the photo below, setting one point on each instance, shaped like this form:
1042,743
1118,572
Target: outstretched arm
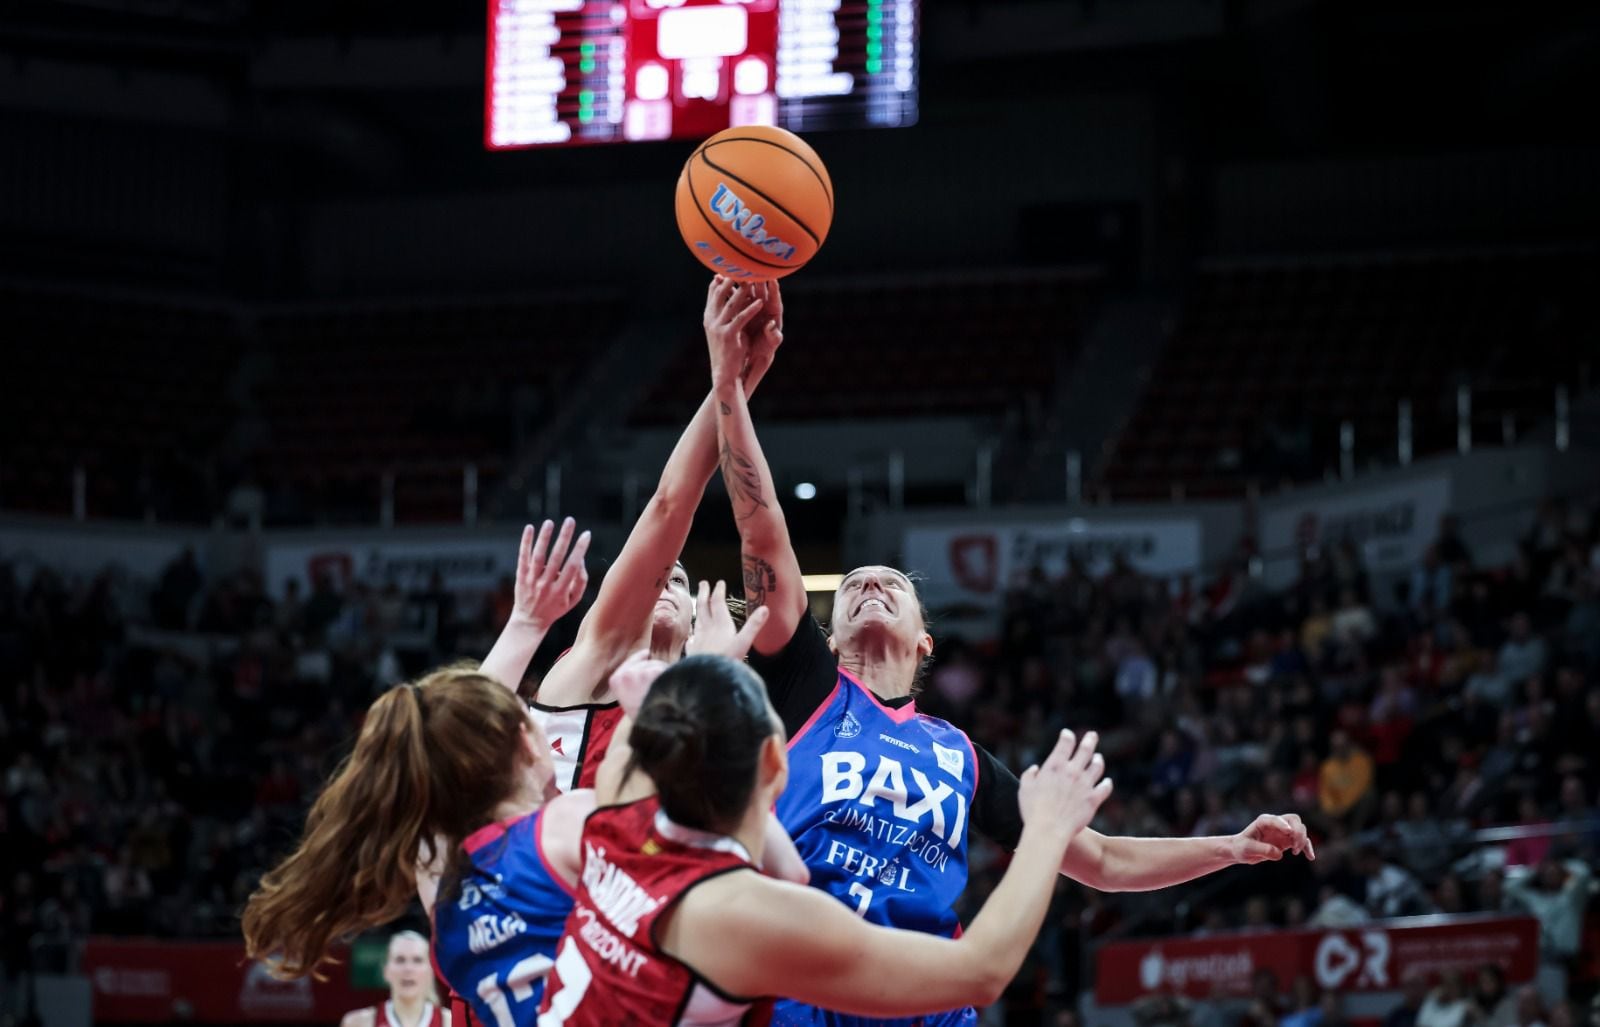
771,572
803,944
630,588
1146,864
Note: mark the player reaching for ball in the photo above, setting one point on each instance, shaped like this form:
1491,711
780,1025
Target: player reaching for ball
670,926
644,600
453,767
882,796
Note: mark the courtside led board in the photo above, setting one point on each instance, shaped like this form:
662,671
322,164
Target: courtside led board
574,72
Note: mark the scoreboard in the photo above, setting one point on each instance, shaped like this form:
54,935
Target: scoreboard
574,72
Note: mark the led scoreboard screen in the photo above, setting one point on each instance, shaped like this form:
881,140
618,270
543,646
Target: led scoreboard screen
571,72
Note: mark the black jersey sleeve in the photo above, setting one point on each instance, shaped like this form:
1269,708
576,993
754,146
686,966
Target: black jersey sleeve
801,675
995,811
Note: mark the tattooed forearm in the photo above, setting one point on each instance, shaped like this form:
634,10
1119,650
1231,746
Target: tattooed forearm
726,409
760,581
744,483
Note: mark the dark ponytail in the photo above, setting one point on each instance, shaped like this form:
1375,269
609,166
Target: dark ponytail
698,735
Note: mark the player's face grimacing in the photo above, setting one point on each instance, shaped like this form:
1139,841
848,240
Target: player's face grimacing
878,599
674,610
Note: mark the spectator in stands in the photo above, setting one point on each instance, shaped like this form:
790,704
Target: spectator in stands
1267,1003
1345,781
179,585
1520,658
1426,844
1305,1004
1556,895
1415,993
1530,849
1338,910
1529,1008
1446,1005
1578,816
1432,583
1495,1006
1391,891
1353,623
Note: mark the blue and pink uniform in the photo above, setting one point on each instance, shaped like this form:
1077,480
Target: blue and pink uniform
495,935
879,801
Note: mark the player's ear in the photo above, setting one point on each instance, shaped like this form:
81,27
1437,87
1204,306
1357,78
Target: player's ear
774,763
925,646
833,647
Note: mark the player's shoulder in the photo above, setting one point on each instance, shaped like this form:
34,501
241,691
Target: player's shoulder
360,1017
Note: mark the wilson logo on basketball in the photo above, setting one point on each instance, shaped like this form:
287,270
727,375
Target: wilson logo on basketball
727,205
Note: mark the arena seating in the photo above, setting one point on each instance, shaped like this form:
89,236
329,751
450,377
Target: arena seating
1288,350
906,347
132,391
417,392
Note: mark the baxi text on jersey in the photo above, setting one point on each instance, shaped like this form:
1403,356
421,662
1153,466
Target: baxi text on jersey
844,779
751,226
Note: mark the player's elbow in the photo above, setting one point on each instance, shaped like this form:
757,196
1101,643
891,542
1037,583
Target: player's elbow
990,985
670,502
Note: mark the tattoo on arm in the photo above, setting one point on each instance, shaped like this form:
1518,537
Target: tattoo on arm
664,577
760,581
726,409
743,481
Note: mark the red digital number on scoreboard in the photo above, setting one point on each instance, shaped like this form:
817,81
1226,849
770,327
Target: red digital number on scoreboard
570,72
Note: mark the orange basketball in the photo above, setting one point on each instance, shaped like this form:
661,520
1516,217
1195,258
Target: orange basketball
754,202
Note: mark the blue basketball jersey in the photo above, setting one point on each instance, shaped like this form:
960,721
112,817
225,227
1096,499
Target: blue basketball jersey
495,939
878,803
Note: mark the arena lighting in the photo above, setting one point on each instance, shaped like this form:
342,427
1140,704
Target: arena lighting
821,582
805,490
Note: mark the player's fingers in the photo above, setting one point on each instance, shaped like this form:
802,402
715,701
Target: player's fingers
524,550
1066,742
572,568
541,547
1260,852
1086,746
555,560
747,634
1102,791
746,314
702,596
719,595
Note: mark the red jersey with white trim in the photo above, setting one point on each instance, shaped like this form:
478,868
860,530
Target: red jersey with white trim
610,969
385,1016
579,737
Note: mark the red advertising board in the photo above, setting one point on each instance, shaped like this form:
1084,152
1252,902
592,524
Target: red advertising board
208,982
1367,958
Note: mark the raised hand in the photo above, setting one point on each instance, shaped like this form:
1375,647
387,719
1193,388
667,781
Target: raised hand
764,334
714,630
1270,836
550,580
1066,790
730,309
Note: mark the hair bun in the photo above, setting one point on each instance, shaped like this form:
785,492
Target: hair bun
666,739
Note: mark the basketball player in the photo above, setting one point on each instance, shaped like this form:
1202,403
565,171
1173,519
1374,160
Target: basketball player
412,999
644,600
882,796
454,768
670,926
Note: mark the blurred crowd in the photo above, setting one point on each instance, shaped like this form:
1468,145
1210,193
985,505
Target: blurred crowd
161,742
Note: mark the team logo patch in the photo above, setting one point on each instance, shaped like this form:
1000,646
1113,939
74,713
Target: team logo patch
849,727
951,761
